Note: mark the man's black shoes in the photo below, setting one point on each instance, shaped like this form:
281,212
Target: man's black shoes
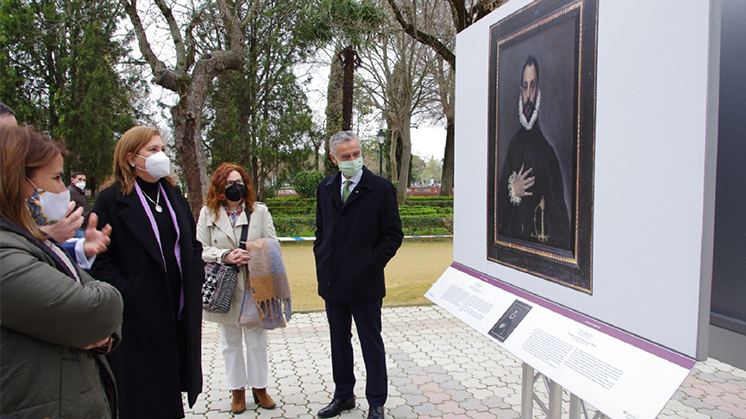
375,412
337,406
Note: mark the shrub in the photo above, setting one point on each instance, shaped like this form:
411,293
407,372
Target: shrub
305,183
295,226
424,225
433,201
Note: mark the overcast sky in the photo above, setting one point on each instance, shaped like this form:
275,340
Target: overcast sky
426,141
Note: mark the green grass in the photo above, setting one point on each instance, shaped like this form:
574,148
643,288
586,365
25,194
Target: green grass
416,266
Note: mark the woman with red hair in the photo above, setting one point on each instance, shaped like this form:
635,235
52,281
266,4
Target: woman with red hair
230,207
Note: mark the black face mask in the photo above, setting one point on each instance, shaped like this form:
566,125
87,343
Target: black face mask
235,192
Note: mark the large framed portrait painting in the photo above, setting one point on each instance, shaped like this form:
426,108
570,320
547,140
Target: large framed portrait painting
542,81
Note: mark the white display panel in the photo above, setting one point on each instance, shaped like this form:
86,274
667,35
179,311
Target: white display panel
619,374
654,169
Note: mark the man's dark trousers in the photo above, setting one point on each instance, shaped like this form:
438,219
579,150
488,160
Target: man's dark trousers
368,323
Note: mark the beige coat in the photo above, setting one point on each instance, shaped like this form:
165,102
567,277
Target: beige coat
218,237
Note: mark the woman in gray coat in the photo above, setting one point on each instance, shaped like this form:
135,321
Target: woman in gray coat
57,321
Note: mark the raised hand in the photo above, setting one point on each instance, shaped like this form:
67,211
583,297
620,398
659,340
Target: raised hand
96,241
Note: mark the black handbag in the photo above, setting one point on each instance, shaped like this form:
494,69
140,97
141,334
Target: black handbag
220,282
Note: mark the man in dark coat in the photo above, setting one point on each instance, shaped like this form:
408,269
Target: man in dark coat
358,231
531,192
77,195
145,361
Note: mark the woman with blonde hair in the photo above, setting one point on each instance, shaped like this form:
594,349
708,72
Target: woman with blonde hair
57,321
230,207
155,261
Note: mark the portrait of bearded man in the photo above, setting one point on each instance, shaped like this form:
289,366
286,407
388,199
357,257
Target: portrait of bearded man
530,191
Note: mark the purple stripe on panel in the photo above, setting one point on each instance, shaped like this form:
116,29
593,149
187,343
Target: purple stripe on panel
618,334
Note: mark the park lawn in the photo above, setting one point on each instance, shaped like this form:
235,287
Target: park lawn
417,264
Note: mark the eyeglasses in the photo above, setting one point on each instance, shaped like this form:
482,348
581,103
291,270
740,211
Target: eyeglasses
234,182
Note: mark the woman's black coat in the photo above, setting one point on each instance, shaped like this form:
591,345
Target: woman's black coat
146,363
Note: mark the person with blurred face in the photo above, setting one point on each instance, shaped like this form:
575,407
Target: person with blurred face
77,195
57,322
7,116
155,260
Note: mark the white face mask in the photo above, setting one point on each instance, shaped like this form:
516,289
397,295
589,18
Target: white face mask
80,185
48,207
351,167
158,164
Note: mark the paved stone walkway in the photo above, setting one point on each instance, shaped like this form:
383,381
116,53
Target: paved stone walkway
438,368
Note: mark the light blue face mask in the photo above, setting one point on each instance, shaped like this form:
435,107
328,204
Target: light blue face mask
351,167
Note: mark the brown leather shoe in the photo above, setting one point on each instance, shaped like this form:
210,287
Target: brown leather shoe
238,405
262,398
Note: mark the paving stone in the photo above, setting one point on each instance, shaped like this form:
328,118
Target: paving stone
505,413
428,409
452,385
480,415
711,378
495,402
473,405
403,412
460,395
450,407
694,415
716,413
737,411
697,403
416,399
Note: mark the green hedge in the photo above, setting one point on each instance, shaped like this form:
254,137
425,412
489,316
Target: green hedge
431,203
289,201
404,210
296,217
300,226
421,210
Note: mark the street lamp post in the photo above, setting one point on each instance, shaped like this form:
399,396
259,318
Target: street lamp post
380,137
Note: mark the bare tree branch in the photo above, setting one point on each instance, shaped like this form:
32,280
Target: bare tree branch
173,27
157,66
427,39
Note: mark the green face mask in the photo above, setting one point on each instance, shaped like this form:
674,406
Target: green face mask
351,167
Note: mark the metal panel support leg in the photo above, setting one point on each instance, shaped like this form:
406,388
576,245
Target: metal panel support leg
527,392
555,401
574,407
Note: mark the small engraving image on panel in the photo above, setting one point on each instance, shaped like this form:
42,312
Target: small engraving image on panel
509,320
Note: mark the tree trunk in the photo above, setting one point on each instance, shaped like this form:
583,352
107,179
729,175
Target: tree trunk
186,116
446,184
333,111
393,161
349,62
406,158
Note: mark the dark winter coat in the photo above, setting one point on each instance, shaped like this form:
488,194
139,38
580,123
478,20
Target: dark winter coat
46,317
355,240
146,365
80,200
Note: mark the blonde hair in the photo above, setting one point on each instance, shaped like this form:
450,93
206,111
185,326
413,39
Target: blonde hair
131,142
22,151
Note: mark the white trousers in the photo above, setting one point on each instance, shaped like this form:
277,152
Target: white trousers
251,371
